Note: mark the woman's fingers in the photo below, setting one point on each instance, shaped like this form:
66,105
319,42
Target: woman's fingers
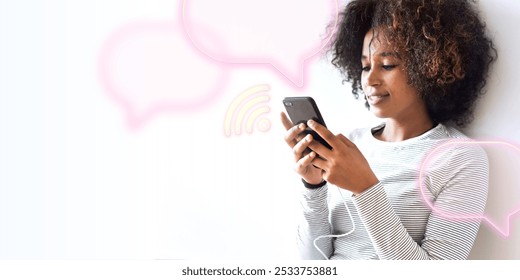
292,136
301,146
330,138
345,140
285,121
323,132
299,142
319,163
304,162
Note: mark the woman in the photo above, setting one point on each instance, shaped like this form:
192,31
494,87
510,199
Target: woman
421,65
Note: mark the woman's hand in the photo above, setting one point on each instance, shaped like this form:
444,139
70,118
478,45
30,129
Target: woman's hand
297,140
344,165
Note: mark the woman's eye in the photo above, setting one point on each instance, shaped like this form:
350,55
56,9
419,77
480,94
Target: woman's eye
365,68
389,67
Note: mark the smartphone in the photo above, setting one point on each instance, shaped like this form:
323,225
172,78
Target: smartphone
304,108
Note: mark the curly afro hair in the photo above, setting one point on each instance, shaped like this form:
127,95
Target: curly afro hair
443,44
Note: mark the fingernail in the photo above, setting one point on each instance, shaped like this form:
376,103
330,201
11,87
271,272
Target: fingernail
301,126
311,122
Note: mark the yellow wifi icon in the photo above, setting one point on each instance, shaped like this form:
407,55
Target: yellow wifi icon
247,109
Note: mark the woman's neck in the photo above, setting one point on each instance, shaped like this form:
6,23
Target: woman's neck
396,131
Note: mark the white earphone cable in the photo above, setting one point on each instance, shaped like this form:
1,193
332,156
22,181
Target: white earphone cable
336,235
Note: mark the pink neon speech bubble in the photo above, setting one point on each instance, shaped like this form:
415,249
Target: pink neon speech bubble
281,34
149,68
505,229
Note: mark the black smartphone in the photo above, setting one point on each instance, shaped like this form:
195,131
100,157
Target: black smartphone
304,108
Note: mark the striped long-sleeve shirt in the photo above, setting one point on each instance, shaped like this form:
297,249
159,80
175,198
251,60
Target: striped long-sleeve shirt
392,218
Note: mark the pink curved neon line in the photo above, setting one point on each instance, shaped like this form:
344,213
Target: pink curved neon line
504,233
135,120
262,61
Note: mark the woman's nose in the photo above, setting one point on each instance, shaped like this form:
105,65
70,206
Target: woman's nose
372,77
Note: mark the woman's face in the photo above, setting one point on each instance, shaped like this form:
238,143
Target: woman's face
385,82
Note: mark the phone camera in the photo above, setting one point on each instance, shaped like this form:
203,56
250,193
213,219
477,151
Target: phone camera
288,104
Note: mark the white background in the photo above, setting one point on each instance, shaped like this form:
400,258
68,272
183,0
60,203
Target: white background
77,183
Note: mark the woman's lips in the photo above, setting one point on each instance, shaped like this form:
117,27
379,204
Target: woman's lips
374,99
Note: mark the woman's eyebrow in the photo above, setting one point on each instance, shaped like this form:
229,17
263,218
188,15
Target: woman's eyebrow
383,54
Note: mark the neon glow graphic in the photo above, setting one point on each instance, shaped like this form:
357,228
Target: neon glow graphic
148,69
283,35
504,231
246,110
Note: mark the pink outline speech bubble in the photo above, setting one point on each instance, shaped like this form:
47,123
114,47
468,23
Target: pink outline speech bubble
284,34
149,68
459,216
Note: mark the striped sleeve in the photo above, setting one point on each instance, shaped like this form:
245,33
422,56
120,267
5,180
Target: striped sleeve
457,189
314,223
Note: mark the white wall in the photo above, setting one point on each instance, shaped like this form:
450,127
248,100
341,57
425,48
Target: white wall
497,120
76,181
